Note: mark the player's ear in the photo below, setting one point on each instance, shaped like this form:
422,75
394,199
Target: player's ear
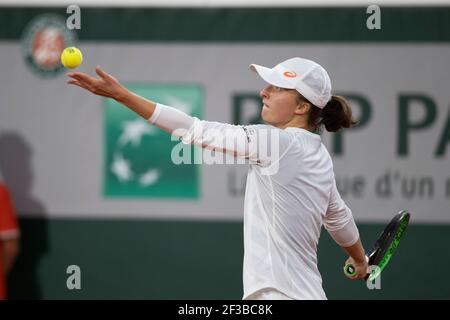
303,107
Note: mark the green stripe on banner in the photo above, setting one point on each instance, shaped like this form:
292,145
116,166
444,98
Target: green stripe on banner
244,24
150,259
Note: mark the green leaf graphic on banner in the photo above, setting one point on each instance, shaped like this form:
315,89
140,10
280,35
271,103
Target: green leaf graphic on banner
138,155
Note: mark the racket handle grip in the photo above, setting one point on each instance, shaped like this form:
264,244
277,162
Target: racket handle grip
349,270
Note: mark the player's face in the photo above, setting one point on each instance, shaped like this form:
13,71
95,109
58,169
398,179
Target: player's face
279,105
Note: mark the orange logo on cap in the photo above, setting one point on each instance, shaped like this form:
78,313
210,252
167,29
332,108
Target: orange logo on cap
290,74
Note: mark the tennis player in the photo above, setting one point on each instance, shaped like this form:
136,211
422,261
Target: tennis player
291,189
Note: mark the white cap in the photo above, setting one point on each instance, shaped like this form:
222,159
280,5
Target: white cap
306,76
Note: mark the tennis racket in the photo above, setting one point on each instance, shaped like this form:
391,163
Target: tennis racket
385,246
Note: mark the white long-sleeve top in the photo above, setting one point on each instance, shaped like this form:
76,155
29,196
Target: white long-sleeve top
290,193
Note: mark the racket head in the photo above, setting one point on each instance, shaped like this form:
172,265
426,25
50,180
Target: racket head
387,243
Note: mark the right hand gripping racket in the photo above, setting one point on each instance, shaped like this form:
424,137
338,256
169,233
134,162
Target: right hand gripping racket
385,246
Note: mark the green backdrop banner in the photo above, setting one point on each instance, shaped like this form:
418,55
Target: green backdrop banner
138,156
245,24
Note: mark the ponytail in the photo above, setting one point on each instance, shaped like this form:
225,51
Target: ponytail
337,114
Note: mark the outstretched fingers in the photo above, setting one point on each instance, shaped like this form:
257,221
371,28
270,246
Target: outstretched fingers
103,86
78,83
82,77
102,73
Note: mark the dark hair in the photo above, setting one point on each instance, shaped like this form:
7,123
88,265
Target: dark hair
337,114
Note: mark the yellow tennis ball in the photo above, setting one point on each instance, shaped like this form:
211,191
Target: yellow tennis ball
71,57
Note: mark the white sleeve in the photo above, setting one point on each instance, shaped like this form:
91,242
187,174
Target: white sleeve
339,221
258,143
171,120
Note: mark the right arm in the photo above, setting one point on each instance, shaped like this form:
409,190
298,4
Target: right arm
340,224
358,259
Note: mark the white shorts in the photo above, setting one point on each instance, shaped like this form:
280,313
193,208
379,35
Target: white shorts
268,294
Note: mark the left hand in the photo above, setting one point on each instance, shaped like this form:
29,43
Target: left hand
106,85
